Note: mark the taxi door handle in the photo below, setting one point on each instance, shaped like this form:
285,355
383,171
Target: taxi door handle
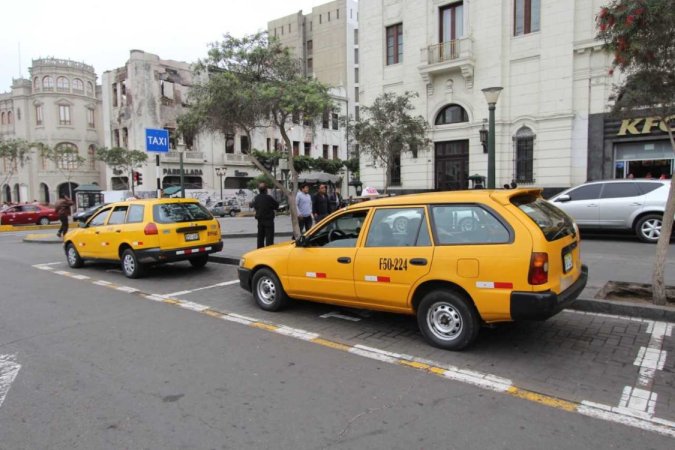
418,261
98,232
344,260
118,231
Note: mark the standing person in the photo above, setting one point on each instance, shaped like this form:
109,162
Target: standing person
62,208
304,203
336,199
264,206
320,204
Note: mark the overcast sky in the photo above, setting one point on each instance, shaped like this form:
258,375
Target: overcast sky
102,33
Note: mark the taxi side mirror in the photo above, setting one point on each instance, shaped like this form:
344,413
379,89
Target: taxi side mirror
302,241
563,198
82,224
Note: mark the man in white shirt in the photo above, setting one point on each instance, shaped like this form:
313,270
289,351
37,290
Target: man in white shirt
304,203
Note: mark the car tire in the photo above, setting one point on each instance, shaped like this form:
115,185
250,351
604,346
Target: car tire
448,320
400,225
199,261
268,292
73,257
233,213
648,228
43,221
131,268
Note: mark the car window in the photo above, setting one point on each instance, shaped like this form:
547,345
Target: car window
180,212
467,224
14,209
341,231
99,219
398,227
587,192
646,187
551,220
135,214
619,190
118,215
30,208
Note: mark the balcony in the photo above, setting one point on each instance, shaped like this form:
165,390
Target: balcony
237,159
188,156
447,57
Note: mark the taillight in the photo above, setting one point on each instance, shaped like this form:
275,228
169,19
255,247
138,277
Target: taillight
538,269
150,228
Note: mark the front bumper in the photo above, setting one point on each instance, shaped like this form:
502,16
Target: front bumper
542,305
245,278
154,255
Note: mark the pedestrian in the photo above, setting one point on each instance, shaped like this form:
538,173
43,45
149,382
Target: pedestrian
304,203
320,204
264,206
336,199
62,208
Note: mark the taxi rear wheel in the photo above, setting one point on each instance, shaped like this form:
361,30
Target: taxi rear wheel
447,320
131,268
73,257
268,292
199,261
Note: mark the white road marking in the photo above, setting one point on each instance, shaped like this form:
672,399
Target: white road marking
9,369
80,277
102,282
339,316
225,283
192,306
617,415
126,289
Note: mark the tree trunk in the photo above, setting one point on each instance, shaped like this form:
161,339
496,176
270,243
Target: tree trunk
387,173
131,181
292,207
658,282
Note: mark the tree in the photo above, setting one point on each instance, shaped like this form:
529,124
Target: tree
387,130
66,159
14,154
118,158
255,82
641,35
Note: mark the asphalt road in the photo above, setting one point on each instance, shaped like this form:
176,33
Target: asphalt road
107,362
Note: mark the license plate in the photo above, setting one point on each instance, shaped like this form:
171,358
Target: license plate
191,236
567,262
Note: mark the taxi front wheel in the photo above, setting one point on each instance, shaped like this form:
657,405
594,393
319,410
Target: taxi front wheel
130,265
267,291
447,320
73,257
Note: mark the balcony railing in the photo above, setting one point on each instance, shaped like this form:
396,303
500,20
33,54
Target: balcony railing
237,159
188,155
455,55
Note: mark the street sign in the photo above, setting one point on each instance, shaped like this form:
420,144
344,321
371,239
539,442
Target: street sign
156,140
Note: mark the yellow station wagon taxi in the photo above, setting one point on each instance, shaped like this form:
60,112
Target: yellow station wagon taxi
456,260
142,232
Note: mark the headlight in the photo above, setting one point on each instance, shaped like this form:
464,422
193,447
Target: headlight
242,261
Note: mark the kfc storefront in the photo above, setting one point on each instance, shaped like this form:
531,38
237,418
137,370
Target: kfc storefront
629,148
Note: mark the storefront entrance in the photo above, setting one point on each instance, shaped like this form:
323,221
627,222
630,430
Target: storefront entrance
644,159
452,165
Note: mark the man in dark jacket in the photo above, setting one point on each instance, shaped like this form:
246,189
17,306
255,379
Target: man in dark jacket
62,209
320,204
264,206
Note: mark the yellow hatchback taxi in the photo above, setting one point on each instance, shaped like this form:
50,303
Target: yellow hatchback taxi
456,260
141,232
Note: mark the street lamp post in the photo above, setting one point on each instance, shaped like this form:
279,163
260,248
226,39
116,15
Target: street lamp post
182,178
491,95
221,171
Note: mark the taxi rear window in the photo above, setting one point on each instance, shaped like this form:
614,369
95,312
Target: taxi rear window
553,222
179,212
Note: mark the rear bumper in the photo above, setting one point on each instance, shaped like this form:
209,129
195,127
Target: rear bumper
245,278
179,254
542,305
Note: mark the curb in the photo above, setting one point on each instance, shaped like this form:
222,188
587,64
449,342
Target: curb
625,308
255,235
13,228
44,239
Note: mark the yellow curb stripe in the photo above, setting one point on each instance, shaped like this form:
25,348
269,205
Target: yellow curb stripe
264,326
212,313
414,364
171,301
331,344
542,399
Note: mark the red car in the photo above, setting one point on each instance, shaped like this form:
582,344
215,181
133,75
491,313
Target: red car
28,214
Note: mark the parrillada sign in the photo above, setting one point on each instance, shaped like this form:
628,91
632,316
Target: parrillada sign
646,125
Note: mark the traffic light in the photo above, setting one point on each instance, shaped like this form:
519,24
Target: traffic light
138,178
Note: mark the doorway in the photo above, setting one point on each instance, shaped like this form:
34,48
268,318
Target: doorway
452,165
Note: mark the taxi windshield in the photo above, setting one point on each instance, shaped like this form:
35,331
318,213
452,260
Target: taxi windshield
179,212
552,221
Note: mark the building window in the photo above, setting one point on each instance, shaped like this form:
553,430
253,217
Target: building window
91,154
356,75
269,144
452,22
356,36
114,95
229,143
395,171
310,66
277,146
356,113
296,148
329,16
9,117
90,88
310,48
69,161
48,82
356,94
395,44
325,119
116,138
64,114
125,137
334,120
62,84
244,144
38,115
91,123
2,118
337,14
325,151
452,114
289,28
526,16
524,155
356,56
78,85
308,148
335,152
320,19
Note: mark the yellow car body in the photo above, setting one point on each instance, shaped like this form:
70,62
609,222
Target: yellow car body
464,258
141,232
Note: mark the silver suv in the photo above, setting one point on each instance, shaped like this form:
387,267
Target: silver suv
636,205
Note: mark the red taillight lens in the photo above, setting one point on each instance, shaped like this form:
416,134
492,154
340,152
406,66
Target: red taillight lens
150,228
538,269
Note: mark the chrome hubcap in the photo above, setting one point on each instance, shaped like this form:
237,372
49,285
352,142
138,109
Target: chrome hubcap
444,321
72,256
651,229
129,264
266,290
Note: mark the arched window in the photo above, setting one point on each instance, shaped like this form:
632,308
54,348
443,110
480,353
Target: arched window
9,117
78,85
44,193
90,88
62,83
48,82
452,114
2,118
524,140
70,157
91,156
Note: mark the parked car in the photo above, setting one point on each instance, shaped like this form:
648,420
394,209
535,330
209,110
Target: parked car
83,216
28,214
224,208
137,233
636,205
518,260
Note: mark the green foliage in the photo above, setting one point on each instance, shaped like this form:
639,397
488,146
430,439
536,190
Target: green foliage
253,183
303,163
268,159
352,165
331,166
188,127
15,152
66,158
121,158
